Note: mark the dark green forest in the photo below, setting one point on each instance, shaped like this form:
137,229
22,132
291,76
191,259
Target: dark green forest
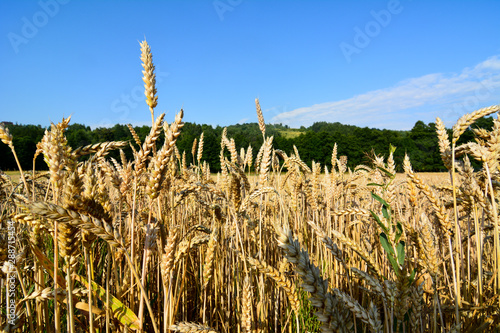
314,143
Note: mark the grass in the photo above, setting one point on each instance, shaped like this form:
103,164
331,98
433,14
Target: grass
14,175
291,133
157,244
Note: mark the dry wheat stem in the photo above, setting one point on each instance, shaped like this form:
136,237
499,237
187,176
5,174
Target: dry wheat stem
148,144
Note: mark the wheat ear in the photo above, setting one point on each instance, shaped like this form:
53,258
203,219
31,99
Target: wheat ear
249,156
330,245
444,143
160,160
465,121
246,307
193,148
430,252
6,138
57,213
255,194
186,244
439,208
265,162
200,149
149,78
313,283
280,280
134,135
369,317
373,266
209,258
148,144
260,116
334,156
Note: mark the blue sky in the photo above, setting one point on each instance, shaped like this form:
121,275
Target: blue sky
383,64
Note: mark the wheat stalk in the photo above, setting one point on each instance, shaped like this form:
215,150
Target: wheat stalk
209,258
148,144
373,266
160,160
439,208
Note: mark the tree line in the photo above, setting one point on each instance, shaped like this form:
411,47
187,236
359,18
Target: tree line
314,143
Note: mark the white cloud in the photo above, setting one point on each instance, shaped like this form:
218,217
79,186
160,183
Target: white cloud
108,123
448,96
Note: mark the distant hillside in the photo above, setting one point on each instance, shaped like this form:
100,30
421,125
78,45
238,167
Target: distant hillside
313,143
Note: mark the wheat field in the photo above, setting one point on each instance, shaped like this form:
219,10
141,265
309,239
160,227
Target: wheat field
269,244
